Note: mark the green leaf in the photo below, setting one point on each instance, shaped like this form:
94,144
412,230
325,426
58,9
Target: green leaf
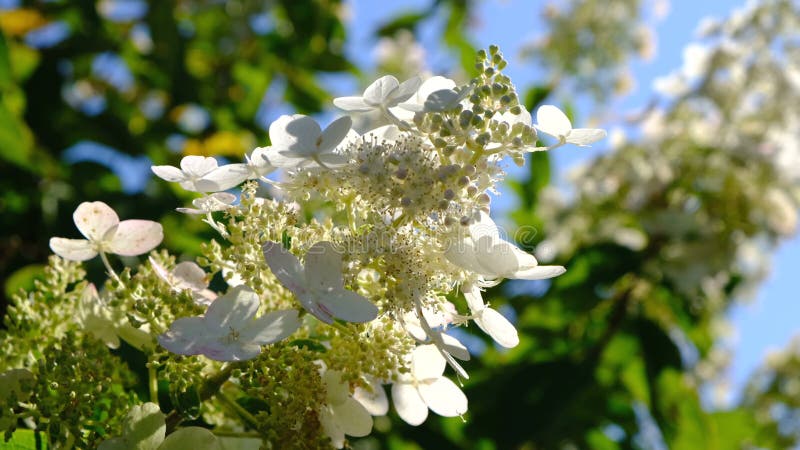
24,440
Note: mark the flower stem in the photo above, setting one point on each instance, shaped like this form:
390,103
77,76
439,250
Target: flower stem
238,409
151,372
110,269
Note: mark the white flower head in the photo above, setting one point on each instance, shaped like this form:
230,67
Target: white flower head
424,387
384,93
229,330
298,141
218,201
490,321
485,253
105,233
193,174
319,285
551,120
341,414
186,275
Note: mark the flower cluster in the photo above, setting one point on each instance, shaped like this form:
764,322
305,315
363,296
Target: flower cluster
341,283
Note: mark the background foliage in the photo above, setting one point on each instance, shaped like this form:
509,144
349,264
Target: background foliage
615,353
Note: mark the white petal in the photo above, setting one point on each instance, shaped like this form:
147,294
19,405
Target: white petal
331,427
484,227
347,305
323,266
409,404
552,121
434,84
352,418
191,437
271,327
221,349
184,335
94,219
281,159
373,398
286,267
297,133
455,347
427,362
585,136
190,276
145,426
464,254
441,100
336,391
72,249
498,327
380,90
496,258
334,134
168,173
538,273
224,177
197,166
134,237
234,310
443,397
352,104
473,296
405,90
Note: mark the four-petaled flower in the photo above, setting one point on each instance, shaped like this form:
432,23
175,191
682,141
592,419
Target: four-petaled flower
229,330
193,174
550,120
106,234
298,141
384,93
485,253
186,275
218,201
319,285
424,387
342,414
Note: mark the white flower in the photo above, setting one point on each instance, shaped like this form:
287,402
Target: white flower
416,103
298,141
218,201
145,428
229,330
96,318
490,321
342,414
186,275
384,93
424,387
550,120
373,398
436,94
106,234
319,286
193,174
487,254
225,177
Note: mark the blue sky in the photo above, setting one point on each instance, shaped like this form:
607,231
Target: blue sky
767,322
